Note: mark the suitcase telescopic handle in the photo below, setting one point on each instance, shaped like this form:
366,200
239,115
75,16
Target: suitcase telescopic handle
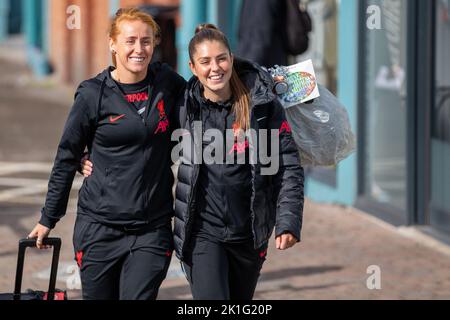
31,243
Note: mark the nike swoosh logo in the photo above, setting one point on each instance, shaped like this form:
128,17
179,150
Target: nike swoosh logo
114,119
261,119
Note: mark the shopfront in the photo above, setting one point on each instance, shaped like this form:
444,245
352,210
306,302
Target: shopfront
393,76
404,114
387,61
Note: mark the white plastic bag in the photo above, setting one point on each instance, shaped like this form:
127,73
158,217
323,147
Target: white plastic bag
321,130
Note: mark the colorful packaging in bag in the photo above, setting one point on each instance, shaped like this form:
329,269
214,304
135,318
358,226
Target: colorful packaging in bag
300,82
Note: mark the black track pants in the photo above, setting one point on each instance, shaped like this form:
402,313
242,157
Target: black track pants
223,271
115,264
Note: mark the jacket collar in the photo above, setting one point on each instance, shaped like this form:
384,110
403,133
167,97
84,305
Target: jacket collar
257,80
198,96
105,75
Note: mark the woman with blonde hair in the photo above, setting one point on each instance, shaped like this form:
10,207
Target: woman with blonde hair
122,237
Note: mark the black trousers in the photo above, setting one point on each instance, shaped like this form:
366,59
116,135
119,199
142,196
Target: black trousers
115,264
223,271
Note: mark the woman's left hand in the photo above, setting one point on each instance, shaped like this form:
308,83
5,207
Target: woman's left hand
86,166
285,241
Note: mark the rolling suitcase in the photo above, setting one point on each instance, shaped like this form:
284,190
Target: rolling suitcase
52,293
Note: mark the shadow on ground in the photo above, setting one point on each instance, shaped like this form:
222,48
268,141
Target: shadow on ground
183,291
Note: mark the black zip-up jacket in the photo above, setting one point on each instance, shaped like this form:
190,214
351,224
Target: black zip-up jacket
223,210
277,200
131,183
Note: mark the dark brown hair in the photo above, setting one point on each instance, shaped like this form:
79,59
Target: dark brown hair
241,107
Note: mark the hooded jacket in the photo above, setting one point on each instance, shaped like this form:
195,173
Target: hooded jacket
276,200
131,183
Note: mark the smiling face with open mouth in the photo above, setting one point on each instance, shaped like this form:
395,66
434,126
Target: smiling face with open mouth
213,66
133,50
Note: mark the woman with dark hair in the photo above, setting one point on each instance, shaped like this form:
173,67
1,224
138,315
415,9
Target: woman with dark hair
225,213
123,236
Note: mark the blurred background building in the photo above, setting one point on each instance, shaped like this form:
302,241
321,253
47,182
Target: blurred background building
394,80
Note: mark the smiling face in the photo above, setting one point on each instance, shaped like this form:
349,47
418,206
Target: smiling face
133,49
213,65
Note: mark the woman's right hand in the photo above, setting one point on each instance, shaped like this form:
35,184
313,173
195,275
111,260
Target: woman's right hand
39,233
86,166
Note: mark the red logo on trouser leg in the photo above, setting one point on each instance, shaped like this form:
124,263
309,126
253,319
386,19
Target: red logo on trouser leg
79,256
60,295
262,254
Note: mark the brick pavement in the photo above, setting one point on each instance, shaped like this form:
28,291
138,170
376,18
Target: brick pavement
331,262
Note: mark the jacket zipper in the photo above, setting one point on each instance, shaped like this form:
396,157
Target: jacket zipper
252,199
152,103
105,181
190,206
131,106
224,191
191,194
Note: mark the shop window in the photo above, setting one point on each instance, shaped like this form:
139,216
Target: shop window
440,140
384,106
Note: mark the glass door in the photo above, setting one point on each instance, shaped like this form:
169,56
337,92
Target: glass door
385,109
440,136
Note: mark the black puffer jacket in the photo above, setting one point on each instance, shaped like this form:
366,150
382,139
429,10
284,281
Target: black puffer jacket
277,200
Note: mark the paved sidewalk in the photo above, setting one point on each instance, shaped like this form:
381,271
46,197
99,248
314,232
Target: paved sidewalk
339,244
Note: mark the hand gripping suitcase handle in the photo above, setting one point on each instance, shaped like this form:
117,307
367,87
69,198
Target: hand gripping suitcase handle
25,243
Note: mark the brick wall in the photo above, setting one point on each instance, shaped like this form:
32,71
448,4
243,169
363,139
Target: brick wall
76,55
